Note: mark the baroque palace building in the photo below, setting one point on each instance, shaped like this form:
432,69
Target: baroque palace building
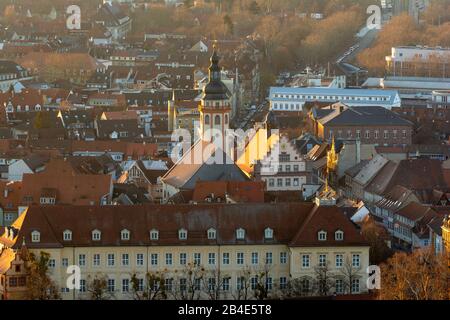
228,248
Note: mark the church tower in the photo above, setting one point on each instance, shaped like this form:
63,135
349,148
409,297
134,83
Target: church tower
215,106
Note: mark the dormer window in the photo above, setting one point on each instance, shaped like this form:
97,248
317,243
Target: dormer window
339,235
96,235
212,234
125,235
322,235
268,233
182,234
240,234
67,235
154,235
35,236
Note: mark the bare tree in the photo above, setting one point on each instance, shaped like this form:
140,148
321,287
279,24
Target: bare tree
261,291
243,289
188,283
349,273
213,282
152,287
300,287
324,279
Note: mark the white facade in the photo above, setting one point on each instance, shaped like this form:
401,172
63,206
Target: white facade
293,99
291,174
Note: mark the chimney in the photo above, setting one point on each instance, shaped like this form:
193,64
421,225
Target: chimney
358,151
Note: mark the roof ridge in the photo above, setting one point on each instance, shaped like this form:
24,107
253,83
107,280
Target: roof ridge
305,223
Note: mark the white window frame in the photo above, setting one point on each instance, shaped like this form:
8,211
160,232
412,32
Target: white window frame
322,235
268,234
212,234
125,235
154,235
96,235
182,234
35,236
67,235
240,234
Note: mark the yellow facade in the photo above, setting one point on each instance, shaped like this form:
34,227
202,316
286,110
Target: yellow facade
276,269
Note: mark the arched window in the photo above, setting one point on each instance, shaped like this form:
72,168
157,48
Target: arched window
217,120
96,235
240,234
207,121
339,235
67,235
125,235
211,234
182,234
322,235
268,233
35,236
154,234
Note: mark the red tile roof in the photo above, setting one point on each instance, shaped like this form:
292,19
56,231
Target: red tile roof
239,191
73,188
292,223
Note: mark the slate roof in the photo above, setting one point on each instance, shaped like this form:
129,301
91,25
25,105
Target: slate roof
190,168
365,116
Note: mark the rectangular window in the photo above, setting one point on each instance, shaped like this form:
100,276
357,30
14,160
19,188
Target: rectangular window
82,285
183,284
283,283
65,262
125,259
211,258
125,285
111,259
253,283
226,284
356,260
305,261
339,260
288,182
254,257
296,168
154,259
51,263
240,258
197,259
355,286
283,257
168,259
322,260
226,258
296,182
339,286
139,259
269,283
82,260
183,258
269,258
279,182
288,168
271,182
96,260
111,285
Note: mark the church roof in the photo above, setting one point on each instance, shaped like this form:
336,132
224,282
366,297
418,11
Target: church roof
203,162
215,89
